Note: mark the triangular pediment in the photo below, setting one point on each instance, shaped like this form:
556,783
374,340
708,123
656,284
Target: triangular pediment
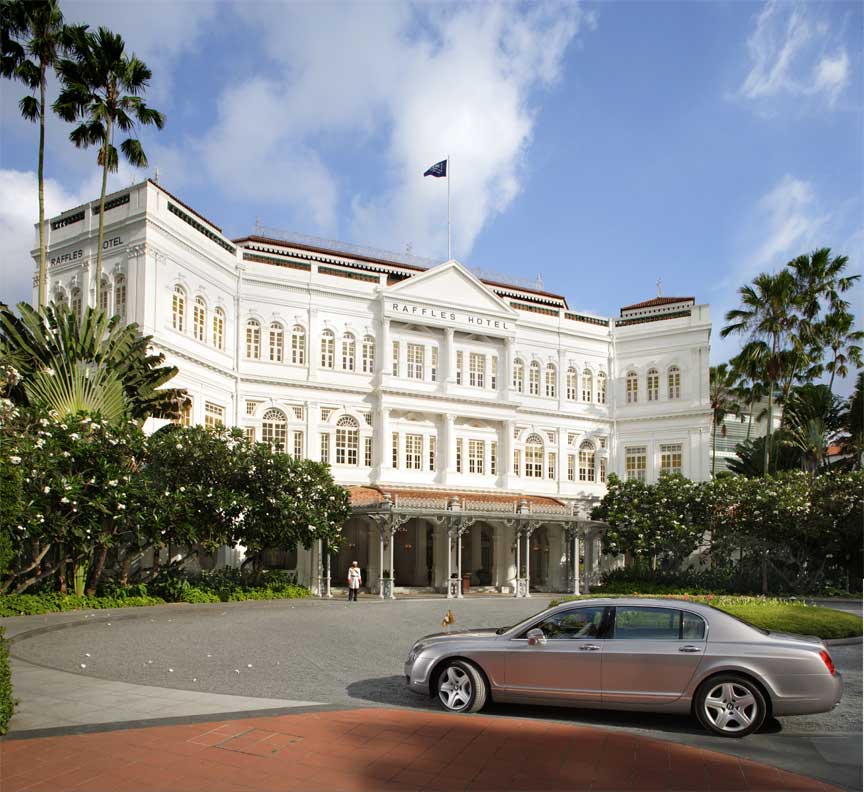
451,284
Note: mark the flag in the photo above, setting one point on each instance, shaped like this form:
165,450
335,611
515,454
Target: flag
438,169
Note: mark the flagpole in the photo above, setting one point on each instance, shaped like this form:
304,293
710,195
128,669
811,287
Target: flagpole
449,176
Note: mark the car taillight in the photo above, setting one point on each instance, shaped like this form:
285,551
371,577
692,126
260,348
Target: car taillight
829,663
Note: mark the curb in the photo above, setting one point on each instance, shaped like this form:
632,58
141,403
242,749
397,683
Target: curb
844,641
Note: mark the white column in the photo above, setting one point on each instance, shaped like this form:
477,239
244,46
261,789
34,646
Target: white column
327,592
506,446
385,351
380,560
562,378
506,377
563,451
313,351
449,563
392,567
449,356
449,445
518,562
527,565
313,444
459,565
575,562
589,553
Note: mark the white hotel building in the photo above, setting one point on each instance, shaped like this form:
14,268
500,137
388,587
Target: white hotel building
465,414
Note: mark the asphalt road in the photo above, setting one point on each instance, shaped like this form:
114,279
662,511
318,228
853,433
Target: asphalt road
351,654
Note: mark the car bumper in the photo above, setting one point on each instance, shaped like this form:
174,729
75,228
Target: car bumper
417,675
811,698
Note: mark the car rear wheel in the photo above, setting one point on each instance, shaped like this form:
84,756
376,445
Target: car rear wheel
461,687
730,706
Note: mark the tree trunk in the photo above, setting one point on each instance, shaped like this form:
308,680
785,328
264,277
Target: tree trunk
37,560
768,428
96,571
750,422
765,572
124,570
43,274
102,215
62,583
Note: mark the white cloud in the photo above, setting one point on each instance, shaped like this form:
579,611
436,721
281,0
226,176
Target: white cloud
791,54
422,82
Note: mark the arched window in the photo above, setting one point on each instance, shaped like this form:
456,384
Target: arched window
551,381
347,440
534,379
60,298
104,294
178,310
349,352
328,349
632,387
253,339
120,296
586,461
518,376
368,354
298,345
571,384
653,384
274,429
277,343
587,386
199,319
219,329
76,302
674,380
601,387
534,456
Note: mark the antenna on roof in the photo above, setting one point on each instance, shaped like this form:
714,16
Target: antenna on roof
538,284
156,176
258,226
659,287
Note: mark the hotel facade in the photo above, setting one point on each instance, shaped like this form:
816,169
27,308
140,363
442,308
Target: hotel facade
474,422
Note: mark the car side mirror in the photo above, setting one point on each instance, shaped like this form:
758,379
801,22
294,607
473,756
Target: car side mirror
535,637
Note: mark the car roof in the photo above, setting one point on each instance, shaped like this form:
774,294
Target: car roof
645,602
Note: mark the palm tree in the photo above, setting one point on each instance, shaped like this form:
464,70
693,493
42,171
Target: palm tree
33,39
723,403
768,313
749,366
838,335
67,365
818,275
102,88
811,417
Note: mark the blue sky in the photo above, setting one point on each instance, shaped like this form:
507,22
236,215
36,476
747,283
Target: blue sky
602,145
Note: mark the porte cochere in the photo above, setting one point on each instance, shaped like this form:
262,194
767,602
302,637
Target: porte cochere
408,540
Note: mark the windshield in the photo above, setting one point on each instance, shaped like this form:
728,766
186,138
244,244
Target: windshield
522,624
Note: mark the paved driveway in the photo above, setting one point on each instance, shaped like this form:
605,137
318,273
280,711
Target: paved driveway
351,655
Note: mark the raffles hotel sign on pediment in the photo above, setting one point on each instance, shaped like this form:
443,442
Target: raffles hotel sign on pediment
417,312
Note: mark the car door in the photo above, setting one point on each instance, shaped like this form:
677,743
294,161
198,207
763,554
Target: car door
567,665
651,655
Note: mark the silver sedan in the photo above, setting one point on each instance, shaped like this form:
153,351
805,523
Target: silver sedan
634,654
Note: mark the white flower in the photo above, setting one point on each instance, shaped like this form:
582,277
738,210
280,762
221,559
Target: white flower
64,500
112,483
121,506
179,445
74,436
182,489
15,460
66,454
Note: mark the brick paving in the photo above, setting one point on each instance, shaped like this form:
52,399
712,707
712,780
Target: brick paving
375,749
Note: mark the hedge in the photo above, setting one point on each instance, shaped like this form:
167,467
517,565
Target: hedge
7,703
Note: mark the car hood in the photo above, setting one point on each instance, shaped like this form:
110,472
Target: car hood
441,637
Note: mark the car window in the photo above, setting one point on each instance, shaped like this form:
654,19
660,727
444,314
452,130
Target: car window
575,623
653,624
693,627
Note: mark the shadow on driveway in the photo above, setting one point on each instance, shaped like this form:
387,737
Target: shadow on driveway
392,691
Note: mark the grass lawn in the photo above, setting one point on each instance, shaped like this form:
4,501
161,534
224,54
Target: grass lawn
770,614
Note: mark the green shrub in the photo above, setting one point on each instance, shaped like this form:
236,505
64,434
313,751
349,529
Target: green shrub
31,604
195,595
284,592
7,703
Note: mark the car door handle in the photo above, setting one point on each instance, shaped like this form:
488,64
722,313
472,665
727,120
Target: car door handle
589,647
690,649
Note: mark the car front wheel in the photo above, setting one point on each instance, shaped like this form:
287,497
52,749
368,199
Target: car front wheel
730,706
461,687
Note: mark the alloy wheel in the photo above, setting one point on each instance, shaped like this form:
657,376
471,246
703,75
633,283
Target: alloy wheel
455,688
731,707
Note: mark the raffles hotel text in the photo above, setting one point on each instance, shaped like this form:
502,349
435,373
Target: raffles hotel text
475,422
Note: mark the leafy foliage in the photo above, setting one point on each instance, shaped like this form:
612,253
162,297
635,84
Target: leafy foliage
52,343
7,703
